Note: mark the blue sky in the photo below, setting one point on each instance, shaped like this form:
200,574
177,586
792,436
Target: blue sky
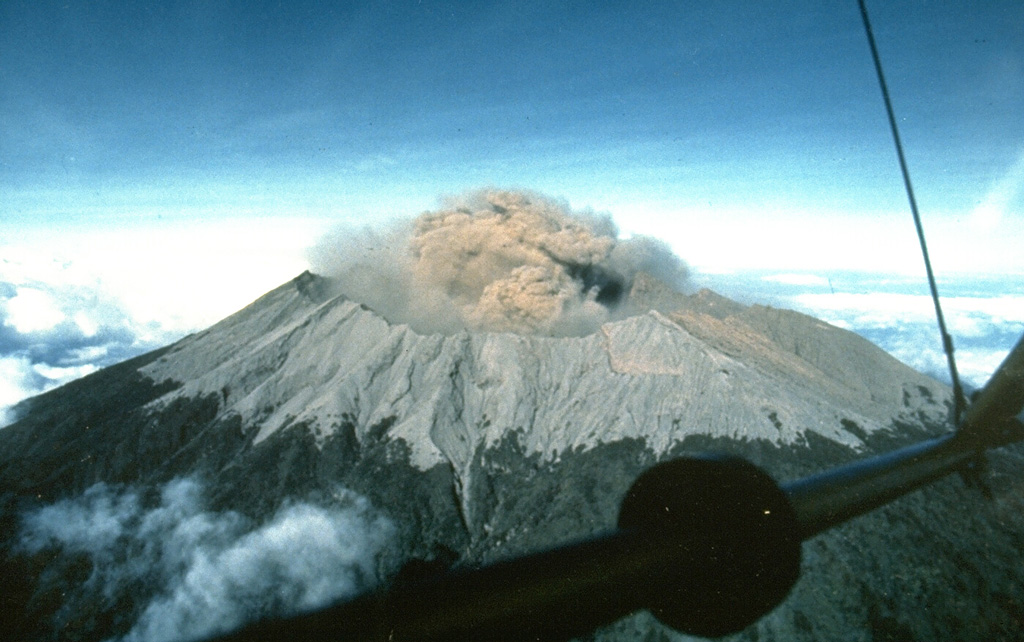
148,145
113,111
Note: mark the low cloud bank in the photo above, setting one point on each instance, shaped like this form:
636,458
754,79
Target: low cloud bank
984,328
984,314
496,260
53,333
184,572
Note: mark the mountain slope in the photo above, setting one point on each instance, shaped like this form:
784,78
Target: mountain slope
487,444
655,377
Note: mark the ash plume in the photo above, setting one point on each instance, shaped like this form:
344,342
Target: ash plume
496,260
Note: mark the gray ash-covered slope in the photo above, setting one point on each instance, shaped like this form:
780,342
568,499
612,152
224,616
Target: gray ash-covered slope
490,444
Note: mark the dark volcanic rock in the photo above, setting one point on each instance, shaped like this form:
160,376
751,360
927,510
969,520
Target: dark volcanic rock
475,447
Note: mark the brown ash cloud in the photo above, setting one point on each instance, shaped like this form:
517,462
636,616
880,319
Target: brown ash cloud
496,260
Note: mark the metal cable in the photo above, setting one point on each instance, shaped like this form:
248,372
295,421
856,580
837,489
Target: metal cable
960,403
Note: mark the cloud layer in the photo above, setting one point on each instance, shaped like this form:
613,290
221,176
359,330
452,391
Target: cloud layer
983,327
984,315
88,298
192,572
56,327
496,260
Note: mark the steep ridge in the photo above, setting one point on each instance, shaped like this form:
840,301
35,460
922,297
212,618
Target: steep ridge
488,444
653,377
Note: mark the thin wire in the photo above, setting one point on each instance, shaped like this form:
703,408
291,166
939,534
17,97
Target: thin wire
959,401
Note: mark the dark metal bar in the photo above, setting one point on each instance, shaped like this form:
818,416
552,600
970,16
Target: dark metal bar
707,544
556,594
834,496
1002,396
701,575
959,402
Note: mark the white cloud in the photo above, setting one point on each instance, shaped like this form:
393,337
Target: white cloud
983,327
965,316
16,383
60,376
32,310
52,333
86,323
182,275
795,278
84,299
201,572
20,379
89,524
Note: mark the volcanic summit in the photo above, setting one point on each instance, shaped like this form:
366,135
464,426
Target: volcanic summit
484,381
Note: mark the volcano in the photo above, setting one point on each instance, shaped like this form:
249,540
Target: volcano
308,447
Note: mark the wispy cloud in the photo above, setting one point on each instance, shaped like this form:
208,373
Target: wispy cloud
96,297
792,278
984,323
54,332
194,572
